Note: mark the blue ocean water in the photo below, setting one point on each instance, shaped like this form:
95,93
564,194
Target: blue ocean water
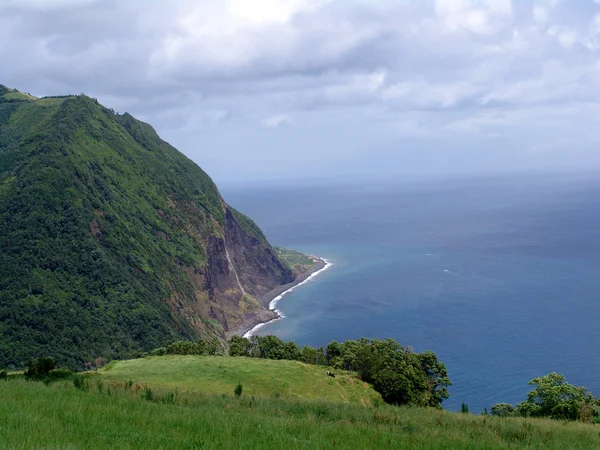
500,278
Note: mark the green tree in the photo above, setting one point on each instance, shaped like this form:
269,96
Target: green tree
39,368
554,397
239,346
292,351
332,351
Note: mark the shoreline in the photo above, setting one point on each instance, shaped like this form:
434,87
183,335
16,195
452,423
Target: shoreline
273,314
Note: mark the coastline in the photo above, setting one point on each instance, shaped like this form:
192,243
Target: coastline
274,296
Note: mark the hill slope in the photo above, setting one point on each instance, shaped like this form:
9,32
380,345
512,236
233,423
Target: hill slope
109,417
266,378
112,241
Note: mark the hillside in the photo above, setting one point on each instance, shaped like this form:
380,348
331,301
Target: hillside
113,241
265,378
109,415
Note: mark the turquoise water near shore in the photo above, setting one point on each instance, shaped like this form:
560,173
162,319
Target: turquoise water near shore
498,277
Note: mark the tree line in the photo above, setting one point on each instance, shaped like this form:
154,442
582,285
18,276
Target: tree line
400,375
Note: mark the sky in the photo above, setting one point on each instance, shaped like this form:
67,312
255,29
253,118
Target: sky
264,90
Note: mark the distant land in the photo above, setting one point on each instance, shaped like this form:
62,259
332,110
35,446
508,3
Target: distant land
113,242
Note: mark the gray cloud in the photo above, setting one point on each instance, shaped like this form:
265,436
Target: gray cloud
369,86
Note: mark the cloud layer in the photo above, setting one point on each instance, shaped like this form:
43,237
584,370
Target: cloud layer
302,88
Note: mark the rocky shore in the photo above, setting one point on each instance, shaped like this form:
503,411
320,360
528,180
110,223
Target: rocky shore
269,313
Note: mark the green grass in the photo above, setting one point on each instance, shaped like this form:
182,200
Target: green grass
293,258
259,377
33,415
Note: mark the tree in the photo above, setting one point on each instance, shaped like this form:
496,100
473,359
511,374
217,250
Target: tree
309,355
271,347
555,398
239,346
437,377
291,351
333,350
39,368
503,410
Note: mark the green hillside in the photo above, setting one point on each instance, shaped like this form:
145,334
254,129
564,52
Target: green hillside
265,378
105,415
112,241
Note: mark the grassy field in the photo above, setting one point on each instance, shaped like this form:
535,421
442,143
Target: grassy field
259,377
293,258
33,415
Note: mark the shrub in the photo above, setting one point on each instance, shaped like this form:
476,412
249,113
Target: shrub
238,390
503,410
464,408
160,351
39,368
187,348
586,413
80,383
147,394
3,374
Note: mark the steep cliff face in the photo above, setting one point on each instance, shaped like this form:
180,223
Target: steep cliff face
241,268
111,241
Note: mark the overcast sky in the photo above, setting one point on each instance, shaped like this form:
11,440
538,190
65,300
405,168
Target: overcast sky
353,89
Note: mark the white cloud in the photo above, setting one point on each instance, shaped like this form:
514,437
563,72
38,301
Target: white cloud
276,121
390,68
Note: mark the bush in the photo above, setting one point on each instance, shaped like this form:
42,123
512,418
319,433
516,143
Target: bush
80,383
160,351
503,410
39,368
147,394
3,374
238,390
464,408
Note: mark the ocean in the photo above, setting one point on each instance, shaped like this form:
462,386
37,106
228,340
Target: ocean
499,277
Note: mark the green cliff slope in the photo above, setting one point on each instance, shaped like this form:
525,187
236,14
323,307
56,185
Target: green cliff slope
111,241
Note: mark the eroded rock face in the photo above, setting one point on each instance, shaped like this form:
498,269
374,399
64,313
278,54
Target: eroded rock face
240,269
258,268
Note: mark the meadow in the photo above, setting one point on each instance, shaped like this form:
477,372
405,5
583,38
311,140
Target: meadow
264,378
110,410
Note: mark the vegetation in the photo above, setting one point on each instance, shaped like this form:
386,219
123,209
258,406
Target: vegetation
119,416
103,229
401,376
260,378
238,390
293,258
554,398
